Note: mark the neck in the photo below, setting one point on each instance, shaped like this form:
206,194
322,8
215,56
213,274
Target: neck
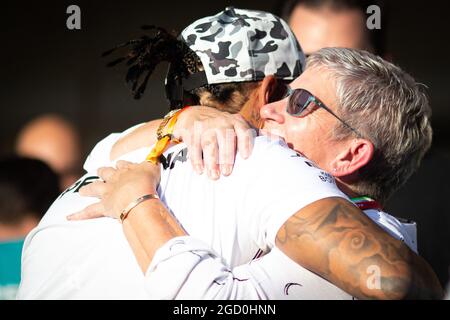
345,188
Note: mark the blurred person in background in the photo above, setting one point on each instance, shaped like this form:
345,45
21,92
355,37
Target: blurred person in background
27,188
319,24
55,141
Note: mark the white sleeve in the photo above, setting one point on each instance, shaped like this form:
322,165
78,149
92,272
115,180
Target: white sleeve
186,268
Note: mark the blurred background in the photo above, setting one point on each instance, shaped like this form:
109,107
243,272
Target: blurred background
47,68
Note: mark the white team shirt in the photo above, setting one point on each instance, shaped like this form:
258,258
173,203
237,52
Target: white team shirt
230,222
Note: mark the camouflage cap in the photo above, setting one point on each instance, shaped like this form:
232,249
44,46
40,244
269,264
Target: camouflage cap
239,45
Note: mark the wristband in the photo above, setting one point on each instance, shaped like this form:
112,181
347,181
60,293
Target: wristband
133,204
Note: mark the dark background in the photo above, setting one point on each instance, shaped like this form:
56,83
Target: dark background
47,68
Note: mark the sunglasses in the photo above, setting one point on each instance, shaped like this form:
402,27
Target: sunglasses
302,102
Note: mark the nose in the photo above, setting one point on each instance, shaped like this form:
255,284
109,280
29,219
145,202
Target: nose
272,111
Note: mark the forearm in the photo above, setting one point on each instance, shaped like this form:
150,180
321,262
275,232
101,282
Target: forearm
144,136
138,250
148,227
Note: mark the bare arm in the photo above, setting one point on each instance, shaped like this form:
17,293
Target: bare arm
334,239
152,225
211,136
143,136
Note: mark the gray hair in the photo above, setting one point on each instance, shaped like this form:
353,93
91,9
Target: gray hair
388,107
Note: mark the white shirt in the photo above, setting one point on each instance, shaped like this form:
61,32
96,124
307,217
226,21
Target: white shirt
229,221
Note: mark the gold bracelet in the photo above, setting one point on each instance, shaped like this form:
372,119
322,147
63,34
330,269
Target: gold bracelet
133,204
163,124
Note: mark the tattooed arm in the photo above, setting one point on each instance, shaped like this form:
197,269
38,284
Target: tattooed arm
334,239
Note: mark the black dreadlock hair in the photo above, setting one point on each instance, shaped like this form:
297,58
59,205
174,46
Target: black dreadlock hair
150,50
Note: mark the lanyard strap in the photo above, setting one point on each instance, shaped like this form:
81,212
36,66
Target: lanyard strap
366,203
165,135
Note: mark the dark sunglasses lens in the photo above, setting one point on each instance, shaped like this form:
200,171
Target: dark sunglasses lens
298,102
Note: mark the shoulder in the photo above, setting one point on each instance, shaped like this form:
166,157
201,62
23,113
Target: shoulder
268,149
405,231
262,144
275,158
100,154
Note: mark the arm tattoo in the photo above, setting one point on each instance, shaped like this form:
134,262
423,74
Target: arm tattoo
334,239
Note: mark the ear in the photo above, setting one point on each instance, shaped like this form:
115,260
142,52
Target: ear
251,110
354,157
266,90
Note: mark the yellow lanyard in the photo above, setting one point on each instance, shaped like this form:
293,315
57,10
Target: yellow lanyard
162,143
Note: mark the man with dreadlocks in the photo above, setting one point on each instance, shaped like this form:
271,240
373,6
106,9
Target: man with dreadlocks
236,217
